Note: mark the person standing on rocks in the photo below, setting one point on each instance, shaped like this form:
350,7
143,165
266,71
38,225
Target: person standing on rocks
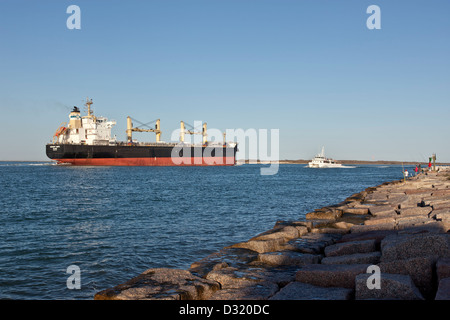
416,170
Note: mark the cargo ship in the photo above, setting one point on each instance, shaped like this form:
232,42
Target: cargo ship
86,140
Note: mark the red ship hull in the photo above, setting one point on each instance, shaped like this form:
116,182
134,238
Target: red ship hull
194,161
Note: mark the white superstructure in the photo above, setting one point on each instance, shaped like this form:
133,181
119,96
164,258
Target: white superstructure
89,129
320,161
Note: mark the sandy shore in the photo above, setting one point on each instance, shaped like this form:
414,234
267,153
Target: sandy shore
391,241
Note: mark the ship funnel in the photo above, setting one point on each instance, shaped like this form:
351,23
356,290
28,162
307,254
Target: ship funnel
75,118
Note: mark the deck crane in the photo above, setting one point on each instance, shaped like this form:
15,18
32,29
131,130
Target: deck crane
130,129
183,131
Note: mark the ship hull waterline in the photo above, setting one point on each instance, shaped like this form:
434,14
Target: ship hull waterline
125,155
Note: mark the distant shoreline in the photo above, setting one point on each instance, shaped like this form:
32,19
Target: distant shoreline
351,162
301,161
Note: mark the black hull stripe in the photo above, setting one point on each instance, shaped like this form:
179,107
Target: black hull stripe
68,151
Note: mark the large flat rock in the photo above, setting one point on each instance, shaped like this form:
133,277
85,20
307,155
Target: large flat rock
441,205
357,197
435,200
440,214
261,246
252,275
443,268
359,209
227,257
286,232
161,284
303,291
373,227
411,201
356,258
420,269
443,292
392,287
261,291
313,243
383,210
406,246
417,211
288,258
337,275
272,240
444,192
421,192
324,213
376,235
412,221
380,220
376,196
346,248
429,227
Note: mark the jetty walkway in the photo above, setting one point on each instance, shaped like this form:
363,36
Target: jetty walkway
391,241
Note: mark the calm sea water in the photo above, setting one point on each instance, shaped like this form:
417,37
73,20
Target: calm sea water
116,222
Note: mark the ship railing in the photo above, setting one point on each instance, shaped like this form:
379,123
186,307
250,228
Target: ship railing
171,144
150,144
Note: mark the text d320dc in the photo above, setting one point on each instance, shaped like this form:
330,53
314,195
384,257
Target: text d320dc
245,309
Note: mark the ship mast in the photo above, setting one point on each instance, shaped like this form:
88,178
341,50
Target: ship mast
321,154
88,105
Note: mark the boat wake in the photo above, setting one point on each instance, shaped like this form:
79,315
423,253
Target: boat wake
337,167
24,164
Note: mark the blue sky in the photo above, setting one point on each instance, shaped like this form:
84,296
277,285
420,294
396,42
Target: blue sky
311,69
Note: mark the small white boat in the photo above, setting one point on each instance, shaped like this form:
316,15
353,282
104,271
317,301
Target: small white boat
320,161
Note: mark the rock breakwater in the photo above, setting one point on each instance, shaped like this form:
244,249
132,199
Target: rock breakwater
401,227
